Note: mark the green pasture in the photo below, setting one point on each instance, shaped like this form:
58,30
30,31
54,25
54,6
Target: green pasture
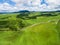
32,29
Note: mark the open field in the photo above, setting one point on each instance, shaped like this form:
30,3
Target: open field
32,28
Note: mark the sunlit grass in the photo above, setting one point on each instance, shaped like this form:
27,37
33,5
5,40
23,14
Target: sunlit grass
40,31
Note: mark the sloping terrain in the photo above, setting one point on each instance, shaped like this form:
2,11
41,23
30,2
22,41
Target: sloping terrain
40,34
33,29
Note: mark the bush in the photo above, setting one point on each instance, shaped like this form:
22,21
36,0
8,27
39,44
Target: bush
3,24
16,24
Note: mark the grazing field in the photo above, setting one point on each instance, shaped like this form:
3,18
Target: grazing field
30,28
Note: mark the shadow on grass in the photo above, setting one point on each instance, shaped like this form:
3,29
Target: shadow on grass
26,15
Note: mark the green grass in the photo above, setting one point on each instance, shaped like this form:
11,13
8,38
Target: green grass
44,30
8,37
38,34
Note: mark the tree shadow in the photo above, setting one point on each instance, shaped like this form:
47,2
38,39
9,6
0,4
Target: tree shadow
25,15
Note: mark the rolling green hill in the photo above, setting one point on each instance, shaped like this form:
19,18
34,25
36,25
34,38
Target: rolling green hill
32,28
39,34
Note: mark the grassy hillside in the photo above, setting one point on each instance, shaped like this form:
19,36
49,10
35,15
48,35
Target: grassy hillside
40,34
32,28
